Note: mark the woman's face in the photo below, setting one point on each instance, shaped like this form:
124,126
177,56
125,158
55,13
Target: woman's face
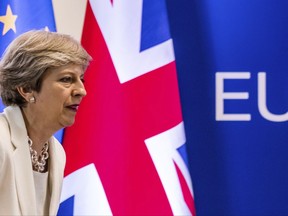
60,95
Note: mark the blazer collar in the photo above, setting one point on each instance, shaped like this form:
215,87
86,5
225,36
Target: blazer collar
23,171
55,177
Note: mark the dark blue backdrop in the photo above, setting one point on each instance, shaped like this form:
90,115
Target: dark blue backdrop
238,167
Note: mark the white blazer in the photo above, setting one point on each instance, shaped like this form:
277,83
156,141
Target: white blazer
17,190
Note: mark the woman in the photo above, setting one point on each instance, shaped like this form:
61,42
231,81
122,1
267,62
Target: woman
41,83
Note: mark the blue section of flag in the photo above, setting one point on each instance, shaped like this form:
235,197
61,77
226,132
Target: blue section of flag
30,15
155,28
66,207
182,151
244,162
1,105
59,135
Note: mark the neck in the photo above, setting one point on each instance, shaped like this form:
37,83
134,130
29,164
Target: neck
37,131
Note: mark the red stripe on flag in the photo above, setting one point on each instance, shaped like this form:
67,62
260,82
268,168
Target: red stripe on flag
186,192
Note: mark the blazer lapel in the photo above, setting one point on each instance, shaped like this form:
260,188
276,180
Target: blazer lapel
55,177
23,171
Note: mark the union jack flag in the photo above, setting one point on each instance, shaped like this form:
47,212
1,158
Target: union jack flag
125,151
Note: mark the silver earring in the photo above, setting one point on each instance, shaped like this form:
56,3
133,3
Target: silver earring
32,100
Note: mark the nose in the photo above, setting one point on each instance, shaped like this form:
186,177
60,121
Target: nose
79,90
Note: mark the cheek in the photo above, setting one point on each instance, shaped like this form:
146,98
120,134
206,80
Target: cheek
51,102
54,95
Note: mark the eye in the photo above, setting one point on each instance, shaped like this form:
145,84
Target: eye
66,79
82,80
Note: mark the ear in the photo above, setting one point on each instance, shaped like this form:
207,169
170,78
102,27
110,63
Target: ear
26,93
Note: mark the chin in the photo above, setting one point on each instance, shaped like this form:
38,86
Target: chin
68,123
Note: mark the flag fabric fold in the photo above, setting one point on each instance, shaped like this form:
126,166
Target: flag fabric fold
125,150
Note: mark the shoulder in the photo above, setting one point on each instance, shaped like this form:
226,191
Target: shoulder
5,141
4,131
3,122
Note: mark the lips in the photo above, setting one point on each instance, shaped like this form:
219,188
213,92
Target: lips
73,107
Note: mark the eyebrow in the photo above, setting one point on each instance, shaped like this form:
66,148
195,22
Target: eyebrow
71,72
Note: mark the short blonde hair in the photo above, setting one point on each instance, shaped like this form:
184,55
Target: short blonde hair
28,57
